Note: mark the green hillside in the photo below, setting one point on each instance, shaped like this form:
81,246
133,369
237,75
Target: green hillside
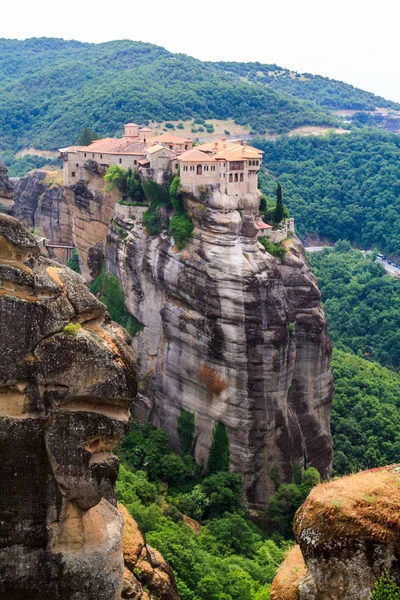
322,91
339,186
51,88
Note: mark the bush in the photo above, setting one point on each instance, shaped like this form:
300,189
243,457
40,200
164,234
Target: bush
273,248
385,588
73,262
72,329
181,229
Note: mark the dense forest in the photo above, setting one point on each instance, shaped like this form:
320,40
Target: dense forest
339,186
361,302
362,306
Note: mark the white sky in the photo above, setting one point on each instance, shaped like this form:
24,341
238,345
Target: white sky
356,41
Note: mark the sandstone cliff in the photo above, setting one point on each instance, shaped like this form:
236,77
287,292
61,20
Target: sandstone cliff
349,532
231,335
67,383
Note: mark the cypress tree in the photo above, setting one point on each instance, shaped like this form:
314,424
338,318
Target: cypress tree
218,459
278,214
87,136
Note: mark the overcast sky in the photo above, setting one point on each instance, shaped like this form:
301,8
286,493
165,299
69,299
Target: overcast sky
351,40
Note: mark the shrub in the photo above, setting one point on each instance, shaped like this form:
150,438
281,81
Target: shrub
72,329
385,588
73,262
273,248
180,126
169,125
181,229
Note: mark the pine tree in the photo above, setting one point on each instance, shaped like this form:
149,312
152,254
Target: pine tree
278,214
218,459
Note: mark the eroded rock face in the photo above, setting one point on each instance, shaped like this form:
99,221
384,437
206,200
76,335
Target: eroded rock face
6,189
65,398
348,532
233,335
40,202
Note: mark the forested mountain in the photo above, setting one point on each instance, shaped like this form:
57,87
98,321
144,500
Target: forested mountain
323,91
51,88
339,186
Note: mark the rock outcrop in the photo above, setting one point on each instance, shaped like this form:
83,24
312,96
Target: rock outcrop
6,190
147,575
67,383
76,215
231,335
40,202
349,533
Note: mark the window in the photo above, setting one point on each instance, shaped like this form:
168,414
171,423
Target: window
186,146
176,166
236,177
101,156
257,162
77,165
213,168
120,161
85,154
93,155
135,162
199,170
230,177
73,174
241,177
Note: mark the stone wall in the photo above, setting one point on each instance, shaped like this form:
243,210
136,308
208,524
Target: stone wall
278,235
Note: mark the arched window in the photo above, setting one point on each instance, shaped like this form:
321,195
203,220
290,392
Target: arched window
199,170
241,177
236,177
230,177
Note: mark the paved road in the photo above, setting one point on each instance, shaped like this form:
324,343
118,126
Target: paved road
390,269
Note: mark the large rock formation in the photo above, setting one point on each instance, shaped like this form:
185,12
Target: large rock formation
349,533
76,215
232,335
67,383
